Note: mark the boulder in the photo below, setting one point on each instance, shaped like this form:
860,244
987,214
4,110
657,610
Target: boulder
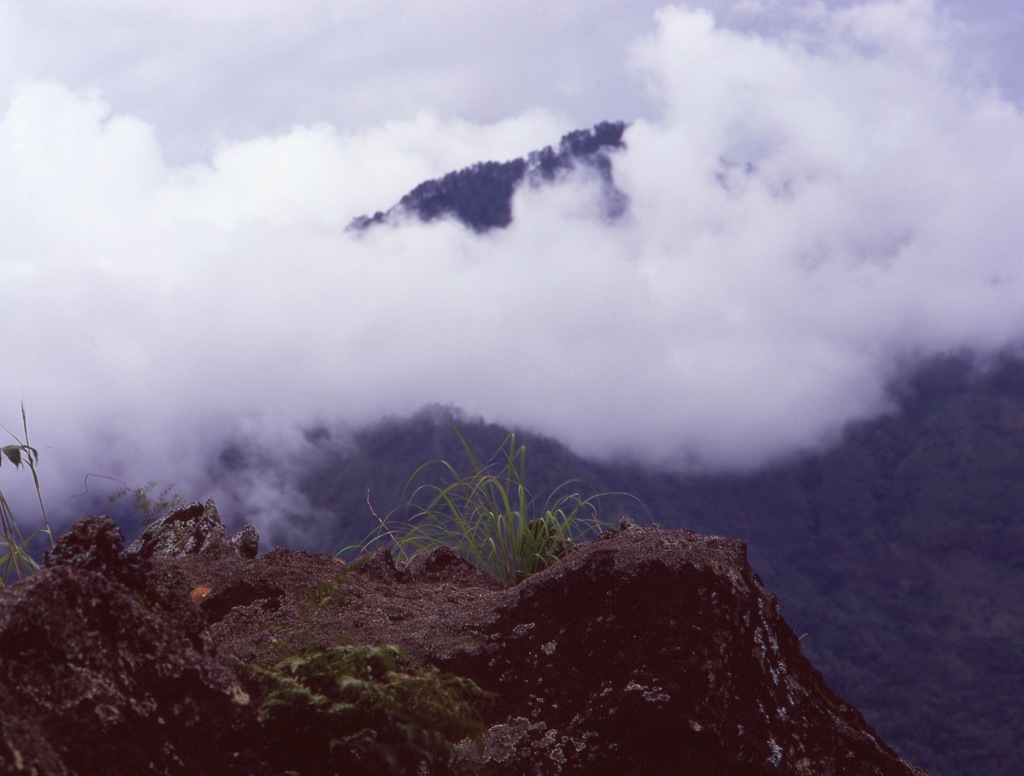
659,652
195,529
99,674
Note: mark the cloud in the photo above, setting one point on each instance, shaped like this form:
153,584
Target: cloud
808,208
201,72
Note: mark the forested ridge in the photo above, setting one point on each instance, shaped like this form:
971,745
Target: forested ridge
480,196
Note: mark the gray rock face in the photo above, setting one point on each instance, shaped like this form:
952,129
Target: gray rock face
194,529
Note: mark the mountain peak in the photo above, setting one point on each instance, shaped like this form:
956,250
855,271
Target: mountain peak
480,196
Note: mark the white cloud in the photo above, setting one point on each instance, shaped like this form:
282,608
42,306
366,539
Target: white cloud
806,208
205,71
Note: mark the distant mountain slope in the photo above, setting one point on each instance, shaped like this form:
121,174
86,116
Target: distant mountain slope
481,196
899,552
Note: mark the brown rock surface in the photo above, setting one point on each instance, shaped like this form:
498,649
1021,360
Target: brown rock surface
103,673
645,651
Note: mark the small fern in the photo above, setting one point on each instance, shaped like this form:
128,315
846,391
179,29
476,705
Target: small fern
363,710
147,506
360,709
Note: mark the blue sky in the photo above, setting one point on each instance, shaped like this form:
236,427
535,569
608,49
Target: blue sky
819,193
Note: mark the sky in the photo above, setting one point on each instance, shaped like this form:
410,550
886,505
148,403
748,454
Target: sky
820,193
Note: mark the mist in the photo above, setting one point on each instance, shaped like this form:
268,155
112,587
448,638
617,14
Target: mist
815,199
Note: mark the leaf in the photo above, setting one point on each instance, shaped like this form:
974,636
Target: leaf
13,454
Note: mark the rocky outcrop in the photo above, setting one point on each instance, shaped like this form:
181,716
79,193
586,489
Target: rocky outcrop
659,652
103,673
194,528
644,651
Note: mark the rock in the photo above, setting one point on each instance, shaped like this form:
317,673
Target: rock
23,746
246,542
659,652
194,529
96,543
443,565
645,651
105,677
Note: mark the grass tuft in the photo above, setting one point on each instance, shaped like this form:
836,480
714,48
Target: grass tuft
490,517
17,561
